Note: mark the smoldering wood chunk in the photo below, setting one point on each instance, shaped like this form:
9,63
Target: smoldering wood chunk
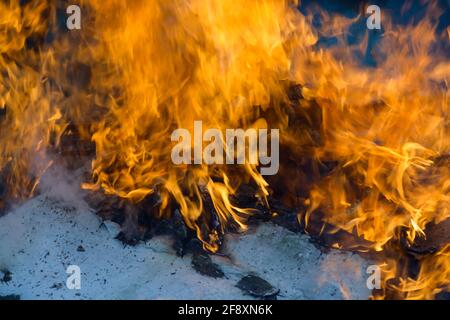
257,287
203,264
437,236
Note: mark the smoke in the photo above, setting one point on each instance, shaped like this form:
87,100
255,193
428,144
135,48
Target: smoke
63,185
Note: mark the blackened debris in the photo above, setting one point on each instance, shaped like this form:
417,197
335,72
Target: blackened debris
203,264
58,285
257,287
295,92
181,233
127,240
7,276
3,195
438,235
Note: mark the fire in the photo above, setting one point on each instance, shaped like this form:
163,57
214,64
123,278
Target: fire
432,279
371,142
29,120
208,62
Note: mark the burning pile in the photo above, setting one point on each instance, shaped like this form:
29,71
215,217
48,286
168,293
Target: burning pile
364,149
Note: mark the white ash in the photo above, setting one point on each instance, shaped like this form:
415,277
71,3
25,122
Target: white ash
39,240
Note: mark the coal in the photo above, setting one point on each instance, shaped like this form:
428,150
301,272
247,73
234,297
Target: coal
203,264
257,287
